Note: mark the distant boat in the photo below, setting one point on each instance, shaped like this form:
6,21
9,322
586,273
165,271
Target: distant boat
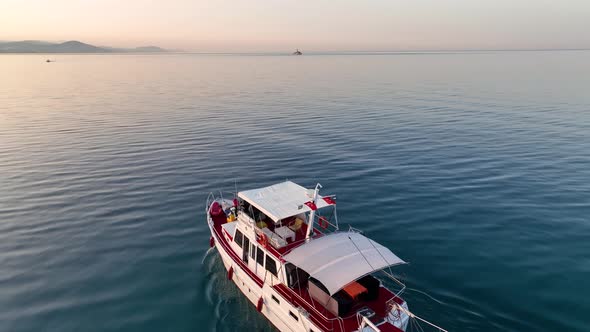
48,60
297,52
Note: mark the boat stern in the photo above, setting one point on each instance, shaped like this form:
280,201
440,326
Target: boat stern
398,315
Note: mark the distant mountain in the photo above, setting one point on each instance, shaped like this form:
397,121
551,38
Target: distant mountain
72,46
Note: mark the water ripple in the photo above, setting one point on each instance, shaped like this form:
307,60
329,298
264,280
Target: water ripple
477,177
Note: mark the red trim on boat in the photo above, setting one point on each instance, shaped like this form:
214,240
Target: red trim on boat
316,317
329,200
227,234
234,257
311,205
325,321
270,249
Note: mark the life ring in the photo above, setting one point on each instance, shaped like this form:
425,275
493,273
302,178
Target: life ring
323,222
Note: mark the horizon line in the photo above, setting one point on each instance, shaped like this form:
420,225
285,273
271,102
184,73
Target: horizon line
322,52
313,51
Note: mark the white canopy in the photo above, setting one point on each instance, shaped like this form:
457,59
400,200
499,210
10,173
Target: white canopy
281,200
338,259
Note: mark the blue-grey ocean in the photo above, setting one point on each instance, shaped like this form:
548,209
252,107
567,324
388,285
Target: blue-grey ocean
473,167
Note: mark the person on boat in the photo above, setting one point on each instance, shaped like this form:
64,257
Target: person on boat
232,214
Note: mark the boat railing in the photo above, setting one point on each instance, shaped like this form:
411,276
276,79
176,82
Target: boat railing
326,225
311,307
210,199
364,322
216,195
354,230
387,274
416,320
213,196
321,227
402,286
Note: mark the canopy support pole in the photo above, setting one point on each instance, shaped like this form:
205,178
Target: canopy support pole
312,212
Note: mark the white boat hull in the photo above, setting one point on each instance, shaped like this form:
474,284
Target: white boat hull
286,309
275,313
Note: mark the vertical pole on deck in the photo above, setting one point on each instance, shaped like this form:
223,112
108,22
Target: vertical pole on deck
312,213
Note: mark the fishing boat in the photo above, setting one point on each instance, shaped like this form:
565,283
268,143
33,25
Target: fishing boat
283,248
297,52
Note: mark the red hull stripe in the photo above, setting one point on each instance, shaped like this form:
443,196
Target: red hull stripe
288,295
227,234
318,318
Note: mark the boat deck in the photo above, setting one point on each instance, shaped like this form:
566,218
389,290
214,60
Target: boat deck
328,321
319,315
299,239
350,322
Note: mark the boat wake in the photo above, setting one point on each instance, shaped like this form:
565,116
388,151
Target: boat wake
426,294
223,296
207,253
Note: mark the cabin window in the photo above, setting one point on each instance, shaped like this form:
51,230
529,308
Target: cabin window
260,257
253,251
296,277
271,266
239,238
246,248
254,213
274,298
293,315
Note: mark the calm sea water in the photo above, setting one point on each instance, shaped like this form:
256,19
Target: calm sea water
473,167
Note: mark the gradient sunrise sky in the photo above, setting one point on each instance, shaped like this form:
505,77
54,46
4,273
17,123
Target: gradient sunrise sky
320,25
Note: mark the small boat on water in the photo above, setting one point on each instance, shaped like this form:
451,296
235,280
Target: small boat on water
283,248
297,52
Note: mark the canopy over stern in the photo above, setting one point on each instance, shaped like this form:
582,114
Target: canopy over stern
340,258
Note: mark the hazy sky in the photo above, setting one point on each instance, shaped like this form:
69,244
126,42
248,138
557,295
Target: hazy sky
279,25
